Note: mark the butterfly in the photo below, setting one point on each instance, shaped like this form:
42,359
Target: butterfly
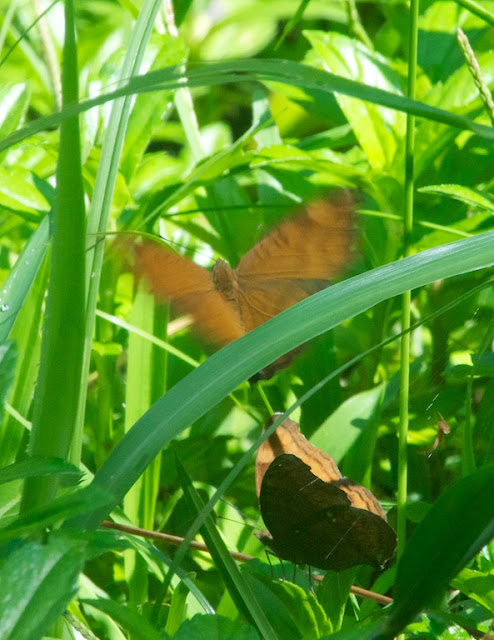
322,519
291,263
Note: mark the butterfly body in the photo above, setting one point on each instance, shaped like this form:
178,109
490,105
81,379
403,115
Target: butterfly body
291,263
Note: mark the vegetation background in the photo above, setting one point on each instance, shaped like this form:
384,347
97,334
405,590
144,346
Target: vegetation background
206,122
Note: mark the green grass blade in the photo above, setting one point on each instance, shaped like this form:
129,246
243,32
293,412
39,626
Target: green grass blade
39,467
437,550
59,509
478,10
99,211
57,392
238,588
140,501
409,193
20,278
25,333
285,71
222,372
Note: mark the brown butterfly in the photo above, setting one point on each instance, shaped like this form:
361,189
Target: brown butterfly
291,263
315,515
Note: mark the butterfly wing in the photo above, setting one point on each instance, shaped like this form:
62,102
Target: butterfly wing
295,260
313,522
174,278
361,497
285,507
259,301
288,439
345,537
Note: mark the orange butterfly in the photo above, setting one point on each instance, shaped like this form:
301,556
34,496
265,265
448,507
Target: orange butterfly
291,263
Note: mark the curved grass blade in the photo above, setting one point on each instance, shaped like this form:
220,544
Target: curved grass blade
456,528
236,584
222,372
284,71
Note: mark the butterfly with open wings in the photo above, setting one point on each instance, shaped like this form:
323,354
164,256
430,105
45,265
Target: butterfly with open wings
291,263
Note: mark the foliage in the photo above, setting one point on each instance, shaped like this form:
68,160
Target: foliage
206,126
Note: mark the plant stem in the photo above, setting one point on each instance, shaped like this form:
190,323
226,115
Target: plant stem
405,315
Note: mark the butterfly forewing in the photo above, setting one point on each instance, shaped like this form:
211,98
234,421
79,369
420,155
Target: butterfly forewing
288,439
191,288
315,244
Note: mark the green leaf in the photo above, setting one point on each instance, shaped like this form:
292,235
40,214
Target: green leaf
293,612
345,425
457,93
178,609
379,132
36,584
129,620
333,594
202,627
39,466
20,192
471,197
476,585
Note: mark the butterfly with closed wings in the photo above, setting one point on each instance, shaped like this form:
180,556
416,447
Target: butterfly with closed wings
314,515
294,261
